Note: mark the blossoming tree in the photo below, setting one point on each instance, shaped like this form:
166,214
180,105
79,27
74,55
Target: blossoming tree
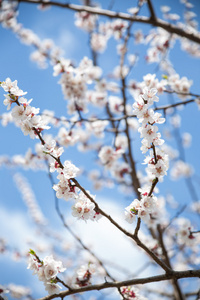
123,123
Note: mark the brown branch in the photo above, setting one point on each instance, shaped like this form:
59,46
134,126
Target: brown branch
127,233
75,236
137,228
177,290
181,93
172,275
39,135
135,180
117,119
155,180
152,12
134,177
165,107
124,16
193,232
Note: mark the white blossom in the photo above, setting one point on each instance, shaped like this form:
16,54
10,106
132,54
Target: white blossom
52,267
84,208
47,271
115,104
184,235
83,275
108,155
85,21
130,292
52,288
181,169
12,88
121,142
98,42
18,291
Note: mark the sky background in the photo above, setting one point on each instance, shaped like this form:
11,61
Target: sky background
16,225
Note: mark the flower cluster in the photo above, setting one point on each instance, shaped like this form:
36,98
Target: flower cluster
85,209
83,276
52,149
24,115
109,156
115,28
74,82
119,170
157,161
180,85
160,41
173,82
47,271
18,291
143,208
158,168
97,128
130,293
98,42
64,189
67,137
85,21
181,169
184,233
106,30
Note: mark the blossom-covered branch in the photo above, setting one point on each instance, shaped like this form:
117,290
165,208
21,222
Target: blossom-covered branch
123,16
173,275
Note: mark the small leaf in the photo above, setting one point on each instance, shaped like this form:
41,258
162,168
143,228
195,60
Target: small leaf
32,252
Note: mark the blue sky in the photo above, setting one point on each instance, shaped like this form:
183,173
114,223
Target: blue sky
58,25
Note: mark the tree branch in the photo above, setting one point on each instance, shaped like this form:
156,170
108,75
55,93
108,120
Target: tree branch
76,237
127,233
152,12
183,33
176,286
173,275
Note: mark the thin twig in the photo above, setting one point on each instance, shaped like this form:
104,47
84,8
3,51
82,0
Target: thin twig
75,236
